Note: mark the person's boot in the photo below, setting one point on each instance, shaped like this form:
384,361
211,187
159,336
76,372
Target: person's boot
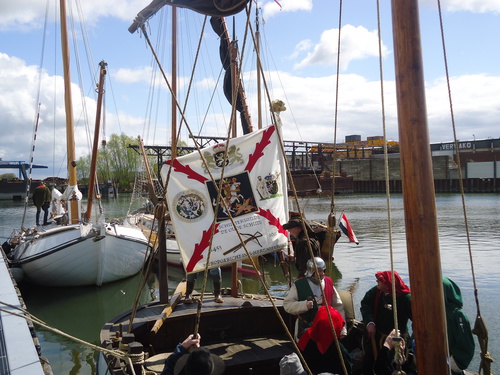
217,295
189,290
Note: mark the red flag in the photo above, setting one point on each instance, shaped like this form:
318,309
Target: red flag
346,228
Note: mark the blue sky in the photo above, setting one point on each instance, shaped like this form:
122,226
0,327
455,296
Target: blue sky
299,54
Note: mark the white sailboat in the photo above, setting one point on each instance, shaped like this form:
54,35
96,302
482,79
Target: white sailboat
78,251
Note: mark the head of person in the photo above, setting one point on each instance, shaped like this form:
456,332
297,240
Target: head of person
294,226
384,283
311,270
321,331
199,362
452,295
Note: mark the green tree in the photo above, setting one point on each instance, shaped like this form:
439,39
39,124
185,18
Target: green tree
118,162
7,176
83,169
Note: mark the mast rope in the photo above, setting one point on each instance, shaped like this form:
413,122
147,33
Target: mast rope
30,318
37,116
398,355
480,329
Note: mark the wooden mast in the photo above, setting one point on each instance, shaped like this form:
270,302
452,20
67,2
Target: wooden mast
259,69
97,127
70,131
424,263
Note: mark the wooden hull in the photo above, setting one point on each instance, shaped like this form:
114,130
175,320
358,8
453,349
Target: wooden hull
77,255
246,333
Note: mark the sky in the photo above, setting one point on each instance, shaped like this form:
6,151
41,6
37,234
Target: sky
299,40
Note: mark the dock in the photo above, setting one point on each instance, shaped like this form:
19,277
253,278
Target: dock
20,352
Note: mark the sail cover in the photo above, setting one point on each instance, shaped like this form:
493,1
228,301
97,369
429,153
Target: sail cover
217,8
255,192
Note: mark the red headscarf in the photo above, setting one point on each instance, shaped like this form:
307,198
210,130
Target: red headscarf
320,331
385,278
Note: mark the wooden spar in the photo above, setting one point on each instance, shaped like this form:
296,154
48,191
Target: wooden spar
176,298
70,131
259,69
173,146
95,147
424,263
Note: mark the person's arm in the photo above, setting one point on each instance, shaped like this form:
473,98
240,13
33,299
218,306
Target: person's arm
181,349
384,365
291,303
339,306
367,306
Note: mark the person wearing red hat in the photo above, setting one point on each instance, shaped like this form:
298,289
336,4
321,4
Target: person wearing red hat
378,315
318,344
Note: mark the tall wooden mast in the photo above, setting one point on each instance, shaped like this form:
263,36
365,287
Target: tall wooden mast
70,131
424,262
95,148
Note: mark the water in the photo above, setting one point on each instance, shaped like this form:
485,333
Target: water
81,312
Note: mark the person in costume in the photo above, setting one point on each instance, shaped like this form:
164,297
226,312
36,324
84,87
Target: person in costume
318,344
460,339
305,296
189,358
378,315
300,243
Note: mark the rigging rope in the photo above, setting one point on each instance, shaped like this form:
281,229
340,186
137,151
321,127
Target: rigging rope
480,326
397,354
31,318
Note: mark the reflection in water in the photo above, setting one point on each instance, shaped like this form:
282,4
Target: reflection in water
83,311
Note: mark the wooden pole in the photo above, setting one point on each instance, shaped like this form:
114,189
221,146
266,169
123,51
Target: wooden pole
95,147
173,148
70,131
424,262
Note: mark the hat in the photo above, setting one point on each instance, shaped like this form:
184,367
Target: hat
199,362
320,332
290,365
293,223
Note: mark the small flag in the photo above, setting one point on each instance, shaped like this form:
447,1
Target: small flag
346,228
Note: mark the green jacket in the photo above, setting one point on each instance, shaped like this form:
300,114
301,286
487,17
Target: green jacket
460,339
382,314
41,195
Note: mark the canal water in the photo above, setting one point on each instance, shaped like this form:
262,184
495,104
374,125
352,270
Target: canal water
81,312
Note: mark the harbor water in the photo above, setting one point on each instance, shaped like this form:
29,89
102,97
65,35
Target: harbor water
81,312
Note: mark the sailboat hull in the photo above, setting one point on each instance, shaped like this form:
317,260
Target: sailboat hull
82,254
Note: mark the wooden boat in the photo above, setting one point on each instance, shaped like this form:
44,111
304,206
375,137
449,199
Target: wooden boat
75,249
236,328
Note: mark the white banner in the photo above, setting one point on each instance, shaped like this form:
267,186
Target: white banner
254,189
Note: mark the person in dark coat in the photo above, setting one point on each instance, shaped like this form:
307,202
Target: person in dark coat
300,243
378,315
189,358
41,199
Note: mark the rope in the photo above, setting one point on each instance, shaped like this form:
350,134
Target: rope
480,327
31,318
397,347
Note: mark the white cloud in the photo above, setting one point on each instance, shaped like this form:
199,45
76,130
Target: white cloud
29,14
356,43
141,74
474,6
271,8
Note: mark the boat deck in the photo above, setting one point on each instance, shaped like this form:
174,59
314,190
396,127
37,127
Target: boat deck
244,331
18,346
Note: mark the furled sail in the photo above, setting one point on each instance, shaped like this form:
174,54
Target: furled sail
216,8
220,29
